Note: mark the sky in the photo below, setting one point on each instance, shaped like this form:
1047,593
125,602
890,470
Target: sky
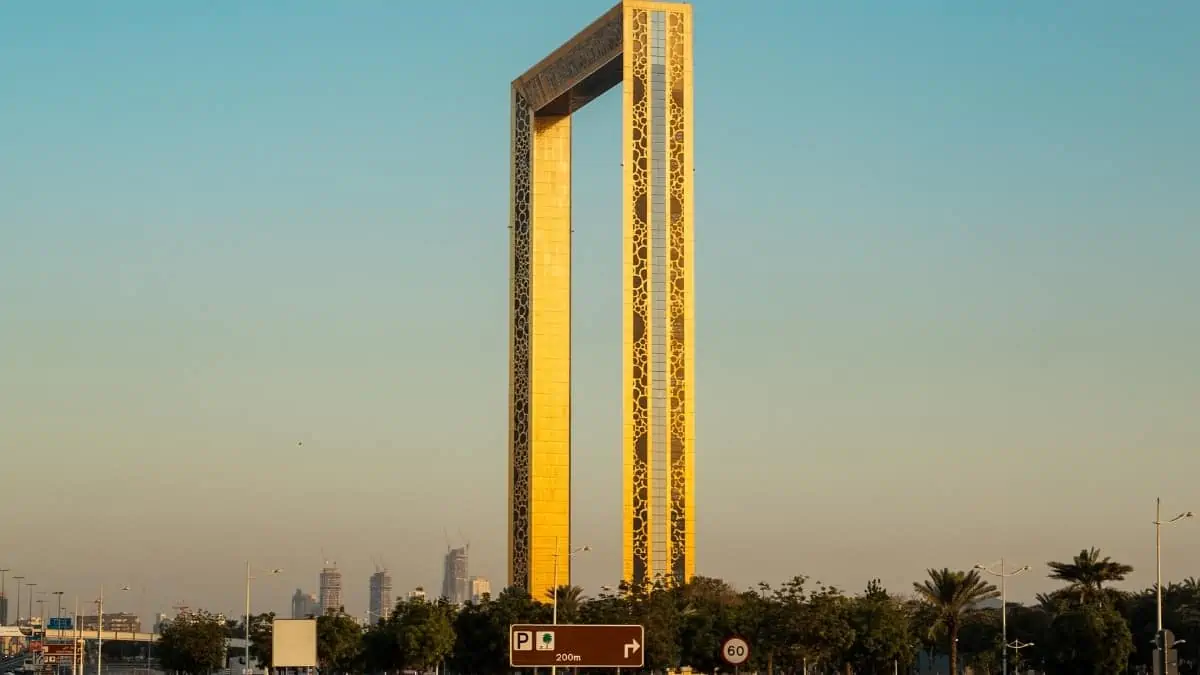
253,277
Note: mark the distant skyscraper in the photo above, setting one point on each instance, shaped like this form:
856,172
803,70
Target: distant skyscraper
331,590
305,605
381,596
417,593
479,588
455,583
3,611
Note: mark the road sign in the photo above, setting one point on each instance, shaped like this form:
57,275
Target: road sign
59,648
576,645
735,651
60,623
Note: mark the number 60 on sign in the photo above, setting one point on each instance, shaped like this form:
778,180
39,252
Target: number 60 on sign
735,651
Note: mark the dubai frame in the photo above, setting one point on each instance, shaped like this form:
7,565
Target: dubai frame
647,48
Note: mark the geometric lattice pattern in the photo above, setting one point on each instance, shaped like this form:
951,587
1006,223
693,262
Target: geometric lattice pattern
647,48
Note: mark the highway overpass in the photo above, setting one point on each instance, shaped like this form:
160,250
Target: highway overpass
54,634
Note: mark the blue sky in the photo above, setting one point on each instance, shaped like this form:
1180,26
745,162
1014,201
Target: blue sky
946,287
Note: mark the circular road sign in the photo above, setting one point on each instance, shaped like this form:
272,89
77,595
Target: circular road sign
735,651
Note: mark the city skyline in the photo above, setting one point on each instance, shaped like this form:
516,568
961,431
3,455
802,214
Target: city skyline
255,299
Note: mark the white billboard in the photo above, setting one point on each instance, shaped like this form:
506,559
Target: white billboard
294,643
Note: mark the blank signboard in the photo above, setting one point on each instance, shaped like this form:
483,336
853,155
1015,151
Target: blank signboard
294,643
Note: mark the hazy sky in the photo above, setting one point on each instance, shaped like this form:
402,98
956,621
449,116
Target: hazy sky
948,290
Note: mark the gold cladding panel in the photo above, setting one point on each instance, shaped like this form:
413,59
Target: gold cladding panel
519,354
550,390
680,306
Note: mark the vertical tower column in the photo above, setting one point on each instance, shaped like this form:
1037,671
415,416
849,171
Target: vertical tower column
550,386
540,381
658,447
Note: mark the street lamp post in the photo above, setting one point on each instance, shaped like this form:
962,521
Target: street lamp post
1158,523
246,648
100,629
17,614
76,638
58,613
30,587
554,592
1003,604
4,577
1017,646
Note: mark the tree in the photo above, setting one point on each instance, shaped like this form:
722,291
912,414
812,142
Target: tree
481,629
417,636
708,612
759,619
980,640
655,608
261,634
192,643
570,598
953,595
1087,573
882,634
339,643
1089,639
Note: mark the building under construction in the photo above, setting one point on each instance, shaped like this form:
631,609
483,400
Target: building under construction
331,589
456,585
381,596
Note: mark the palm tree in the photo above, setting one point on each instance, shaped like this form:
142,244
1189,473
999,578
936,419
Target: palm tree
952,595
1054,602
569,600
1087,573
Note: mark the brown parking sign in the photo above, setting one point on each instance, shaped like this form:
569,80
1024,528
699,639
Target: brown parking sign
576,646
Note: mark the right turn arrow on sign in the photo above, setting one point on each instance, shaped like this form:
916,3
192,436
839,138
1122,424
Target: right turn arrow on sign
631,647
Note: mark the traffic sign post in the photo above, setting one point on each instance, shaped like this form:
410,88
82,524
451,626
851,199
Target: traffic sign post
576,646
735,651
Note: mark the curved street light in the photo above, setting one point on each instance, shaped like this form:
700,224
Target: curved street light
17,616
1158,523
100,628
554,592
249,577
1003,602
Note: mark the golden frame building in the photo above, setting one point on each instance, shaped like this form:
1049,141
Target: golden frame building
647,48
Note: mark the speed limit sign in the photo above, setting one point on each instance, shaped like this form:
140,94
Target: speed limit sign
735,651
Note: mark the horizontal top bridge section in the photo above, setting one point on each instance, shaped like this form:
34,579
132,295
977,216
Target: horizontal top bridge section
582,69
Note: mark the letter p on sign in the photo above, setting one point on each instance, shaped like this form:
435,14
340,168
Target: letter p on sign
523,641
